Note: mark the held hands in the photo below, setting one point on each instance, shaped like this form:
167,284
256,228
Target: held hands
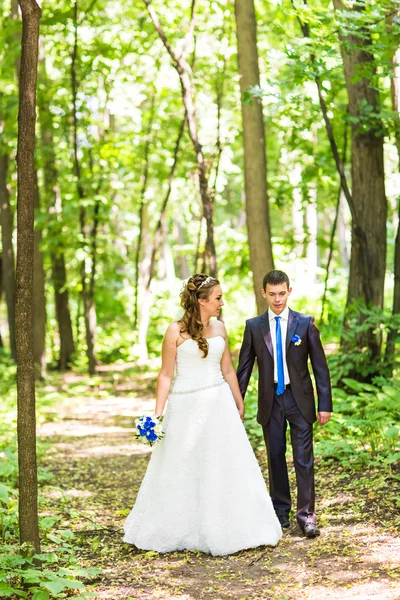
323,417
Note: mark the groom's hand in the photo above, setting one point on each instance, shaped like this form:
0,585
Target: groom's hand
323,417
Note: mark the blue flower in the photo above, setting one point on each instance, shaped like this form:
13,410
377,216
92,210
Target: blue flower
151,436
296,339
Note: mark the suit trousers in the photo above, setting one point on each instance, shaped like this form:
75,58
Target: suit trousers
301,433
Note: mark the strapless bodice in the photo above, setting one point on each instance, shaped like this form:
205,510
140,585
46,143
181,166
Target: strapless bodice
192,370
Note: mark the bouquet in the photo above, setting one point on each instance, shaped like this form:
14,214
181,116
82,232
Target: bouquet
149,429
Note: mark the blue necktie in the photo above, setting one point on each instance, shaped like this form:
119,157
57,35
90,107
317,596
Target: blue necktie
280,388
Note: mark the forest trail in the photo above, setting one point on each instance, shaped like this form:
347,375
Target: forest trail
98,467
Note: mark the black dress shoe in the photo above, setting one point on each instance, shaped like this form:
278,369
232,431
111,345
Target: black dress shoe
311,530
284,521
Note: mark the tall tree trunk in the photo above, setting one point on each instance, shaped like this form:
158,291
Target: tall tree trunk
185,73
53,204
143,208
39,297
26,425
255,164
369,210
8,251
160,223
333,230
88,306
395,96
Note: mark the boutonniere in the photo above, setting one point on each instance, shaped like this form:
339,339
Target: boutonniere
296,339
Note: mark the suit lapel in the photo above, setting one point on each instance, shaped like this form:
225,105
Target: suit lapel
264,325
293,321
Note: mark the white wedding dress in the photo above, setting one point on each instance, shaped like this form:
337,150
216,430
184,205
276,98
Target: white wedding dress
203,488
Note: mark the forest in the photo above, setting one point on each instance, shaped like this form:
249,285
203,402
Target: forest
142,142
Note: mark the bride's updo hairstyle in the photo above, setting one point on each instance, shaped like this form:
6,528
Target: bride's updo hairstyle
197,286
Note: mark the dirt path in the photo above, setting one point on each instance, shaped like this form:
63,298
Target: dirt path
98,468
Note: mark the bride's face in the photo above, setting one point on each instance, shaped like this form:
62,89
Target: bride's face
212,305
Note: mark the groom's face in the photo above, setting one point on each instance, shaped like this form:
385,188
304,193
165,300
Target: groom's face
277,296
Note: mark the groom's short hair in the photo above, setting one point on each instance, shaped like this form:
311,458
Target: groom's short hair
275,277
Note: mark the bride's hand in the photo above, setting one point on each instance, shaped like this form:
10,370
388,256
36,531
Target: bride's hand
241,412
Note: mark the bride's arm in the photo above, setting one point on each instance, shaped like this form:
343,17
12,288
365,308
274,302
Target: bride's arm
166,373
229,374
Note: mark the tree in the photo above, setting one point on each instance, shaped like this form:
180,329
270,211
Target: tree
89,307
26,425
369,206
186,78
255,164
51,189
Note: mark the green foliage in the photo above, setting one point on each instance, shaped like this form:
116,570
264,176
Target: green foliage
55,573
374,322
19,573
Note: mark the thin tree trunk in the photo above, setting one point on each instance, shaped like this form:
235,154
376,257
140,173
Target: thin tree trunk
144,179
39,298
188,93
88,306
333,231
255,163
8,251
63,313
369,206
158,230
53,204
26,425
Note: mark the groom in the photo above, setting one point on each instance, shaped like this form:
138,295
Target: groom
282,340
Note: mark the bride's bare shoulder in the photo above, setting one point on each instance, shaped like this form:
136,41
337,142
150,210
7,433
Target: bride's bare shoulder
218,328
173,329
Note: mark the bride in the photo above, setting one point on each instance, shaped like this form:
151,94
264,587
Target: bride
203,488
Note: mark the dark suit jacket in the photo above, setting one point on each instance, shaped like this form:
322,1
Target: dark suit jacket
257,344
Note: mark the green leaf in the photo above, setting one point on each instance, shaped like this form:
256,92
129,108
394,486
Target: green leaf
7,592
353,384
393,458
41,595
392,432
55,587
3,493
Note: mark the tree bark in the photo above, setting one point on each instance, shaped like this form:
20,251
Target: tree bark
369,206
39,297
8,251
255,164
188,94
53,204
26,425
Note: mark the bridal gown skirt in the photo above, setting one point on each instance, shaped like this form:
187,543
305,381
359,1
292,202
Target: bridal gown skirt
203,488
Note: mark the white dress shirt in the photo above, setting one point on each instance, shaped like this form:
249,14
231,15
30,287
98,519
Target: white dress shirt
272,325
